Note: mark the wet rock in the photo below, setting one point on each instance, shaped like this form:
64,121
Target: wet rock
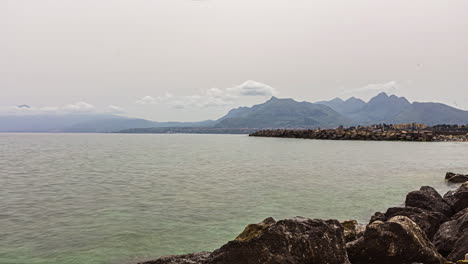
399,240
456,178
255,230
352,230
428,221
194,258
458,199
428,198
448,235
292,241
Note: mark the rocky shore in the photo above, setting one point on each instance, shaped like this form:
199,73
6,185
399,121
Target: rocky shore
429,229
361,134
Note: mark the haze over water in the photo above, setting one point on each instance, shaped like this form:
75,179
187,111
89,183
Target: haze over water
115,198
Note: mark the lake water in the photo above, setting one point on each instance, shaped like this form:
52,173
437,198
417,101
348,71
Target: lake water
118,198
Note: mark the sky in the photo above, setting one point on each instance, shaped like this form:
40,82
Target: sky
187,60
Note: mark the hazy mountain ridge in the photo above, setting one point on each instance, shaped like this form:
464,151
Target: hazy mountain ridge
83,123
274,113
393,109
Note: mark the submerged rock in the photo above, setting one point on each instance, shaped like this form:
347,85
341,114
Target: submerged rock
293,241
456,178
194,258
399,240
458,199
428,198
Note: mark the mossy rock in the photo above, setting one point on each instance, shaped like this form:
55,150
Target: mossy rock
255,230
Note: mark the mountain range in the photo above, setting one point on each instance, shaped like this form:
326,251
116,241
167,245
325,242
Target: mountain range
395,110
274,113
84,123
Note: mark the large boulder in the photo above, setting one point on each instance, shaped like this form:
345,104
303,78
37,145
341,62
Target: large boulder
399,240
292,241
428,221
194,258
456,178
458,199
449,233
428,198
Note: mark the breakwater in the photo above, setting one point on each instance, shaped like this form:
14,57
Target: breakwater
360,134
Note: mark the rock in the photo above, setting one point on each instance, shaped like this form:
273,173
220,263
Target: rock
352,230
428,221
448,235
399,240
194,258
455,178
458,199
460,248
254,230
460,214
378,216
428,198
292,241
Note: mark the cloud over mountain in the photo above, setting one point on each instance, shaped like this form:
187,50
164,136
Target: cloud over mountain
212,97
368,91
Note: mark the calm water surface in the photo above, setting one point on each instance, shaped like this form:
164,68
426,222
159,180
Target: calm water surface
113,198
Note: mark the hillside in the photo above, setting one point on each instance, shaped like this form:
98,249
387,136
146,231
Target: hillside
283,113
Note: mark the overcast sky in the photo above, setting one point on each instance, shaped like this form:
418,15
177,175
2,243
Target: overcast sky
190,60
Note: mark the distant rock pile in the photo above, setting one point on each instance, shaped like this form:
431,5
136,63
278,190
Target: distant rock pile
456,178
447,138
360,134
430,229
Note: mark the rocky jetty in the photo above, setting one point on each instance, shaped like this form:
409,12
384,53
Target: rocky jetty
429,229
360,133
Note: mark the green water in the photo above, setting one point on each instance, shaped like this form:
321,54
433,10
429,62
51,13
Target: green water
112,198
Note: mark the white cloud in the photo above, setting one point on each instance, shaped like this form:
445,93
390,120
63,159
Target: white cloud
79,107
379,87
213,97
146,100
252,88
370,90
154,100
114,109
75,108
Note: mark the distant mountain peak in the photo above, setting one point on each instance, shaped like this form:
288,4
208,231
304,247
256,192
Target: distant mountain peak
337,100
354,99
382,95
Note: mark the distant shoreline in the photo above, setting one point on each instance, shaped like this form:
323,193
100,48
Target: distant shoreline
365,134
